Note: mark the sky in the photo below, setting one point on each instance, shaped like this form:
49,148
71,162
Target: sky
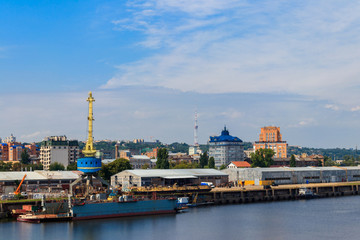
151,64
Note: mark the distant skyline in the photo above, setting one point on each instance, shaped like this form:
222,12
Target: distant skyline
152,63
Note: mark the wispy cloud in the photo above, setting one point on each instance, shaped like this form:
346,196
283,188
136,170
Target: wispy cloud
304,123
232,114
355,109
332,107
308,48
35,135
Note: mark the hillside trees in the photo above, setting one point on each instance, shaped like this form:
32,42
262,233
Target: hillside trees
107,170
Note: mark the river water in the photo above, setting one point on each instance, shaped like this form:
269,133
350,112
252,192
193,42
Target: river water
328,218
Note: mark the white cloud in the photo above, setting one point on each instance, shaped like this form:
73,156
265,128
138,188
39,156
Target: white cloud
35,135
232,114
332,107
355,109
224,46
304,123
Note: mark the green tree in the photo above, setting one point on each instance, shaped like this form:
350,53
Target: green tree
223,166
38,166
56,167
211,162
162,159
72,166
349,161
145,166
25,157
184,165
107,170
16,167
204,159
262,158
4,166
329,162
292,161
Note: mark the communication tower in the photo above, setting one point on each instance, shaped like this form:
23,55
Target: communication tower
196,142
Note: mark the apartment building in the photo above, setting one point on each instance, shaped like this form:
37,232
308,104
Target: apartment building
270,138
226,148
58,149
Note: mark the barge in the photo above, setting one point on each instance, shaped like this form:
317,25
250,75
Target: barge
100,210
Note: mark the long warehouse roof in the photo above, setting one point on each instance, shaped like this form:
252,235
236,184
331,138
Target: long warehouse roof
39,175
171,173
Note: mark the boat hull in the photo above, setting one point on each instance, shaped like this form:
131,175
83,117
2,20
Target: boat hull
123,209
43,218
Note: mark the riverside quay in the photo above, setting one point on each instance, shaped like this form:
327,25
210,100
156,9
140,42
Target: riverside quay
294,175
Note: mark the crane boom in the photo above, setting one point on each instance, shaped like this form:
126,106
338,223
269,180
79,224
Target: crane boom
18,189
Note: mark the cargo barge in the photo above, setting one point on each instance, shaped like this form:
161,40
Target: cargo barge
123,209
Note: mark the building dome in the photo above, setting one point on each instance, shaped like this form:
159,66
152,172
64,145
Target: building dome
225,137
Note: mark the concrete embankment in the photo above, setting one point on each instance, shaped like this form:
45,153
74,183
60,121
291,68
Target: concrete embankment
277,193
248,194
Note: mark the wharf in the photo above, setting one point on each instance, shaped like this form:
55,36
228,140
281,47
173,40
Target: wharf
277,193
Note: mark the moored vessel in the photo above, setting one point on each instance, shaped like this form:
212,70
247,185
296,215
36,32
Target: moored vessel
38,218
98,210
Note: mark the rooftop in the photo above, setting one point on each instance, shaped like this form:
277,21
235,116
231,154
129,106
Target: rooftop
241,164
173,173
225,137
39,175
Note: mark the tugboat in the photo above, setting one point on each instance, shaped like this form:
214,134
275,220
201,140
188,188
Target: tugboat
306,193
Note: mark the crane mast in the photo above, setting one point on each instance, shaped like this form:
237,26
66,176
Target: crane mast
90,150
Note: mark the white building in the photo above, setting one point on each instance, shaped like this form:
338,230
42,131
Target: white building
194,150
139,161
226,148
10,139
58,149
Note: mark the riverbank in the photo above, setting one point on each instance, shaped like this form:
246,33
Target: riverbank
235,195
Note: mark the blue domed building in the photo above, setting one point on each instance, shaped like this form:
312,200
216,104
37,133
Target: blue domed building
226,148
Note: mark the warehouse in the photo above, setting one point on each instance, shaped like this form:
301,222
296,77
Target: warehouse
36,180
168,177
295,175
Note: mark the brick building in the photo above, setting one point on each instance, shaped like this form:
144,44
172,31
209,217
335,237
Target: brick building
270,138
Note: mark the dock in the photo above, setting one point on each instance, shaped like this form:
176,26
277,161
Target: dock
250,194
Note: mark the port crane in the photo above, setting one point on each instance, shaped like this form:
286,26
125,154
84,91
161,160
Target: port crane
89,164
17,192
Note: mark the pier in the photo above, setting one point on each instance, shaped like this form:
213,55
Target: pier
250,194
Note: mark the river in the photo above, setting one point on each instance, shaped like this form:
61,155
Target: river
327,218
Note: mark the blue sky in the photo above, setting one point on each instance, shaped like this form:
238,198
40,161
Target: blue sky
152,63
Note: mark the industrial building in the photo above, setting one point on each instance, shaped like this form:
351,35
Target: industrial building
168,177
36,180
296,175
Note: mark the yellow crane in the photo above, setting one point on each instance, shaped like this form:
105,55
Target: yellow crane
89,150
